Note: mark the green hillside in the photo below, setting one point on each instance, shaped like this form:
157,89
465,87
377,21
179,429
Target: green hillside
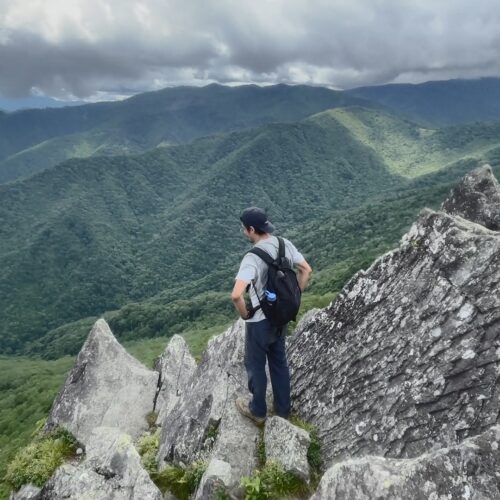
32,140
439,103
90,235
408,149
337,246
93,235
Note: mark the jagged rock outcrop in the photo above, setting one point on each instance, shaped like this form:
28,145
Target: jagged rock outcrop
111,469
465,471
176,366
287,444
406,359
476,198
205,423
106,387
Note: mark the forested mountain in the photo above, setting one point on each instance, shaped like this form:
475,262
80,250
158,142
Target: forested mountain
35,139
439,103
91,235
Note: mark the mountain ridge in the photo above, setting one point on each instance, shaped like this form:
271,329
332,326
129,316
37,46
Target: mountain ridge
171,115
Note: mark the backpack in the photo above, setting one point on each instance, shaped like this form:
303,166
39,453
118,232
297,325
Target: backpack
282,280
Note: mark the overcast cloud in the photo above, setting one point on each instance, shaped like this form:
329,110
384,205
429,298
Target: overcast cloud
102,48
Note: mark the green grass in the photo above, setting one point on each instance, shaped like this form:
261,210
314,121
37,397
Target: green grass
27,390
181,482
272,482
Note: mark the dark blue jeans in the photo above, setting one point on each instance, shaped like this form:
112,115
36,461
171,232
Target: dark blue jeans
262,340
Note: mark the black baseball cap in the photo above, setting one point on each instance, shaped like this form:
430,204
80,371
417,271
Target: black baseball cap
256,217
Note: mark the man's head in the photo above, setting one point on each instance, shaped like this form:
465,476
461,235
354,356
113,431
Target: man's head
255,223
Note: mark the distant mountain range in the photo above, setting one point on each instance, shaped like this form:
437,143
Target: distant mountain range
33,140
441,103
36,139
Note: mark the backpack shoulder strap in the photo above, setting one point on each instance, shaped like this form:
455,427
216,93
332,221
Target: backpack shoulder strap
263,255
281,249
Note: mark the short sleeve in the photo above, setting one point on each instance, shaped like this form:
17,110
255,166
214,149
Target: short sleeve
296,255
248,269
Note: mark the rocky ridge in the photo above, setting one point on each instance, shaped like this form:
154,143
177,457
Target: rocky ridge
399,375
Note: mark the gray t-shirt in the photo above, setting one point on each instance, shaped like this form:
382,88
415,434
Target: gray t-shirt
253,267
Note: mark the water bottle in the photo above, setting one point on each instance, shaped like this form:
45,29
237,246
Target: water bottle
270,297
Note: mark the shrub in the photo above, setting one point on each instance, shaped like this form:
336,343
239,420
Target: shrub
272,482
36,462
181,482
147,446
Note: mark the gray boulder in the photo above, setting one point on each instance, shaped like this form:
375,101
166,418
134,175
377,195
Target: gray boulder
465,471
287,444
176,367
215,479
111,470
26,492
406,359
106,387
236,445
476,198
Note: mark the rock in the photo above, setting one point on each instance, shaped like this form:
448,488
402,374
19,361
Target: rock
236,445
407,357
198,413
26,492
204,424
176,367
112,469
476,198
106,387
467,471
216,478
287,444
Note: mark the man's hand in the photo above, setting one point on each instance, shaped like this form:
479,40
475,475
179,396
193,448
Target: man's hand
304,270
238,300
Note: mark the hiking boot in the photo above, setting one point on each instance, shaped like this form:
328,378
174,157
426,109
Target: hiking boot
244,409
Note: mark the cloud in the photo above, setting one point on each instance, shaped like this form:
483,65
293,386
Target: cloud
85,48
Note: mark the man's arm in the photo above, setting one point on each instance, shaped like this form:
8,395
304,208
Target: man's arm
237,297
304,270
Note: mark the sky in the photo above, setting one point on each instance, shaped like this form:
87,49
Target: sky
106,49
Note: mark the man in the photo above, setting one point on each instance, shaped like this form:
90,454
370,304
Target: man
261,338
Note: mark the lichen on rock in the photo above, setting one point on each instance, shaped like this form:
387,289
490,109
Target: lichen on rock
406,358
